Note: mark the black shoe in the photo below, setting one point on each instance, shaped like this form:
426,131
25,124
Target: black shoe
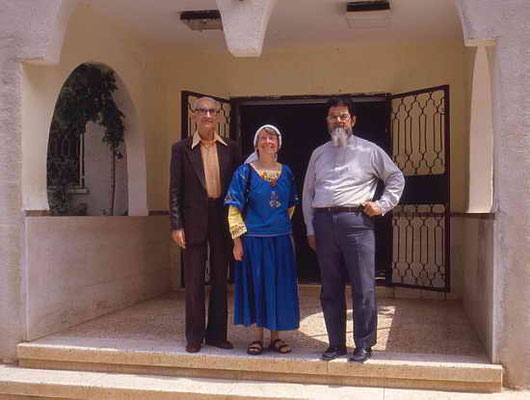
333,352
361,354
222,344
193,347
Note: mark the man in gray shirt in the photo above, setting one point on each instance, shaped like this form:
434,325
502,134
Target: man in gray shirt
339,187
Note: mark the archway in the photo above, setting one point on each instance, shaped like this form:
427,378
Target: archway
83,176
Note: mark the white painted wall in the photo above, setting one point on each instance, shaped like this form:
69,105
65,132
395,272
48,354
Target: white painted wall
480,187
82,267
98,161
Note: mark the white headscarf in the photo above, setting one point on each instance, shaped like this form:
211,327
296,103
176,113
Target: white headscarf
254,156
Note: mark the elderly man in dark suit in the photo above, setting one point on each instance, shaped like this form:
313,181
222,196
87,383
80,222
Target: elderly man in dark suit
201,168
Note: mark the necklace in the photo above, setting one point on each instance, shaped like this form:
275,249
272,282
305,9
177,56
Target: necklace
270,176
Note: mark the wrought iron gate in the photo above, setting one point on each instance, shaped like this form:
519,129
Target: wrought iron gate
420,224
187,128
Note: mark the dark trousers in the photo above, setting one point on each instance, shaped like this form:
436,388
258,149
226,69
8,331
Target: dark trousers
195,256
346,254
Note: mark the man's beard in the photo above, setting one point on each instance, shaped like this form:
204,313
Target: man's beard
340,136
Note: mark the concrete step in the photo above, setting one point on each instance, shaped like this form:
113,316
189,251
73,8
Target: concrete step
21,383
35,384
385,369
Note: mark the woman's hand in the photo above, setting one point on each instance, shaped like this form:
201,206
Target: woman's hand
238,249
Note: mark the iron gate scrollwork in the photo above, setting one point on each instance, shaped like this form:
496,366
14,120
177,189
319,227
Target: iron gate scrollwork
421,223
188,128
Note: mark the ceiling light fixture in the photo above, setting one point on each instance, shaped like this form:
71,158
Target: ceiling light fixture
202,20
361,6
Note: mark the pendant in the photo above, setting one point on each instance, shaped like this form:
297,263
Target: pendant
274,202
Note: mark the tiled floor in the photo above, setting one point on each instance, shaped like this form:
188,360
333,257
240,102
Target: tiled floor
405,326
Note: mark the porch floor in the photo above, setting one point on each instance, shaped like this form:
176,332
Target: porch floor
405,326
422,344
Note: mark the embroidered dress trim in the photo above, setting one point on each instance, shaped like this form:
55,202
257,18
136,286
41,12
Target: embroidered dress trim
269,175
236,225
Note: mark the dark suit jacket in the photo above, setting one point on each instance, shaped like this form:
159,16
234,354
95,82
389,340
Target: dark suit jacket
188,201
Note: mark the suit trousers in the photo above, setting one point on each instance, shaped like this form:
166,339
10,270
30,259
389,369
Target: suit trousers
195,256
346,254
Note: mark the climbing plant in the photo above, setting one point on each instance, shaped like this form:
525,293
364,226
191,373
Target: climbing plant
86,96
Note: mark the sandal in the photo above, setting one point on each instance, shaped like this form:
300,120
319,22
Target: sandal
255,348
279,346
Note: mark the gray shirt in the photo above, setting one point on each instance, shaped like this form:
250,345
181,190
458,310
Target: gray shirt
347,176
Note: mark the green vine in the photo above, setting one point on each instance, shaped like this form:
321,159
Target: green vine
86,96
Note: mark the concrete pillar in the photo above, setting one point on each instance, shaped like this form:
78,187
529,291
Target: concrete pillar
11,220
30,30
244,25
512,195
508,22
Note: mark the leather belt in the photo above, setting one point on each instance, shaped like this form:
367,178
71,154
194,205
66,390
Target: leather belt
334,210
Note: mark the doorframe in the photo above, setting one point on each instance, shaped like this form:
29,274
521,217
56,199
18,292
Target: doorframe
235,132
238,101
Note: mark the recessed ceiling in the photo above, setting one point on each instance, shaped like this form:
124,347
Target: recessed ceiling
294,23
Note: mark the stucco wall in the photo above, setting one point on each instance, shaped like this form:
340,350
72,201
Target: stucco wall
97,164
114,271
20,36
11,222
508,23
120,50
79,268
473,256
512,186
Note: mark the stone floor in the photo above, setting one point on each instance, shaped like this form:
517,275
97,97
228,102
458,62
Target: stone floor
405,326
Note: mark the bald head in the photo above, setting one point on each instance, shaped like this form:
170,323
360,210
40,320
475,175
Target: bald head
206,116
206,102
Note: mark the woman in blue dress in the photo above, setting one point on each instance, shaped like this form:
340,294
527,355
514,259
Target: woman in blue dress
261,200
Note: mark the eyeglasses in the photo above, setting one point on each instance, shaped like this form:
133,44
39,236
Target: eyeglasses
204,111
342,117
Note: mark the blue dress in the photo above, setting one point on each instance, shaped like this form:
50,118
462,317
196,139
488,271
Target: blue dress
266,289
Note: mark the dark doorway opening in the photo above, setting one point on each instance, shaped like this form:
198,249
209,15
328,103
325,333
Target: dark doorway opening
303,126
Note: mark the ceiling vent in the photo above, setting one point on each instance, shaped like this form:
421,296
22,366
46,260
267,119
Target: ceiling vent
202,20
373,14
